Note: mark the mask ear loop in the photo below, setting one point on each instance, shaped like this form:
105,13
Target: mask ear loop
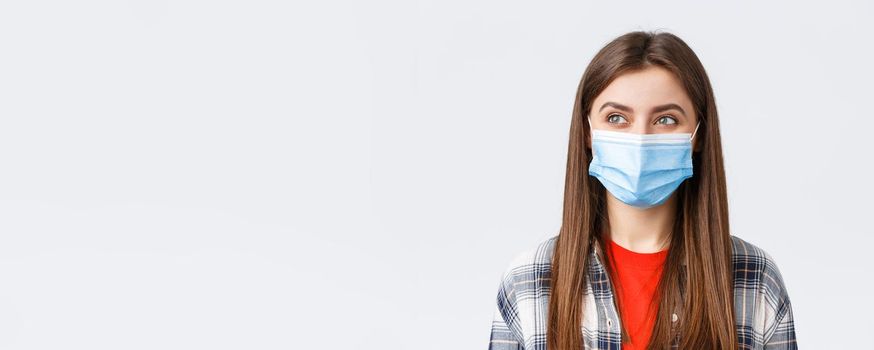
694,132
590,127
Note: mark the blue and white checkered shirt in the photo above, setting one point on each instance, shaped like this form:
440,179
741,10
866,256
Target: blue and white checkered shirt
762,309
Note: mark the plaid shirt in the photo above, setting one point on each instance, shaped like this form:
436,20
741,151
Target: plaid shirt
762,309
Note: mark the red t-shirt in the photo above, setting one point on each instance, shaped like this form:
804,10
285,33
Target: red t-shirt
636,276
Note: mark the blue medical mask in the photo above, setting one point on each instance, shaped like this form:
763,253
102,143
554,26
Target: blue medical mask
641,169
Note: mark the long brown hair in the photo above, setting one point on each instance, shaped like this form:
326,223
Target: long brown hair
700,238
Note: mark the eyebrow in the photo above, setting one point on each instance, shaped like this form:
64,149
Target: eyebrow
655,109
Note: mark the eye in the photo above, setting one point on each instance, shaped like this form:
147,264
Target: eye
667,120
614,119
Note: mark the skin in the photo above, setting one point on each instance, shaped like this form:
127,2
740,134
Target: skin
636,229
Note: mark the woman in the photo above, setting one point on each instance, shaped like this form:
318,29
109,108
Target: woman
646,218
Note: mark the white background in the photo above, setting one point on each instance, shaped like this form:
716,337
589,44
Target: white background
357,175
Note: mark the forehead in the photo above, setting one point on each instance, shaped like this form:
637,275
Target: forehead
642,89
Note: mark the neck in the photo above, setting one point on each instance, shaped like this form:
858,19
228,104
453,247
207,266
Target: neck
640,230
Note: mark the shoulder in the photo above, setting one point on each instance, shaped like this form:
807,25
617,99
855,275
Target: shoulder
535,258
754,266
743,248
753,262
762,300
524,290
528,268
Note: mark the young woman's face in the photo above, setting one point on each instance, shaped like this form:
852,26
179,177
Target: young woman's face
648,101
